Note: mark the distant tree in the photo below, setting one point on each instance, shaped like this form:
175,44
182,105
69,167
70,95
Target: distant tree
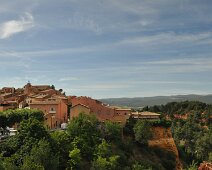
53,87
142,131
146,108
60,90
154,109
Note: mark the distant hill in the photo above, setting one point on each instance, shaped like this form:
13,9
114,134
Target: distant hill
157,100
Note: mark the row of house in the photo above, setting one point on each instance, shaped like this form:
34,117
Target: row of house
59,108
102,111
42,97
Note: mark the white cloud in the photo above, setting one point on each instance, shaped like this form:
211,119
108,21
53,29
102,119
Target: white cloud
168,38
183,61
100,87
9,28
79,21
68,79
160,40
181,65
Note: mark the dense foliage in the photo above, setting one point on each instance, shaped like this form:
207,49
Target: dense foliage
193,132
183,108
10,117
87,144
142,131
193,139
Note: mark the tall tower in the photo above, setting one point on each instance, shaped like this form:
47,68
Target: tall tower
27,88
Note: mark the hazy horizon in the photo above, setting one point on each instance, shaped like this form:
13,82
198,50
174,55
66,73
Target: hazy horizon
108,49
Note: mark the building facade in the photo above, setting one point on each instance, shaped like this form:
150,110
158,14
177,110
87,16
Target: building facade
102,111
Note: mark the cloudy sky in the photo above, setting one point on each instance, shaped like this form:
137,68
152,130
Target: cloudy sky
108,48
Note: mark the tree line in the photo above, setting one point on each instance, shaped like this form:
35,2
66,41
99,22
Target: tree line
87,144
193,136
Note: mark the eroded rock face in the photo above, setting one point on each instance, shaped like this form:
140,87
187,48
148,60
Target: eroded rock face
162,138
205,166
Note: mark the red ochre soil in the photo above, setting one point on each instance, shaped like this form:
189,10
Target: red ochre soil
162,138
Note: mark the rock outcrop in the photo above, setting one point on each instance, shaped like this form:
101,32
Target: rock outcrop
162,138
205,166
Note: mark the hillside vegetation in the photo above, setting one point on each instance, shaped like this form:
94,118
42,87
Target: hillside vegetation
87,144
90,144
191,129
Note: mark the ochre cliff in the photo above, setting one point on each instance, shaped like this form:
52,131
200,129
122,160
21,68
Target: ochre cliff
205,166
162,138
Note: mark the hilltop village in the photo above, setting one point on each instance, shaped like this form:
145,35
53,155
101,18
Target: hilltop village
133,138
59,108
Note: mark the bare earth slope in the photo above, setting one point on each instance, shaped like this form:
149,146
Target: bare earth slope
162,138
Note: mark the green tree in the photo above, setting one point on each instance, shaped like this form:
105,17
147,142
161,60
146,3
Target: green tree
28,164
210,157
193,166
112,132
9,163
101,163
53,87
137,166
128,129
203,146
75,159
31,131
62,144
104,159
142,130
32,128
10,117
1,163
41,156
3,120
85,134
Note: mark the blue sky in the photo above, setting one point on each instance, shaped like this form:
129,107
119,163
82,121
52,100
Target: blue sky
108,48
